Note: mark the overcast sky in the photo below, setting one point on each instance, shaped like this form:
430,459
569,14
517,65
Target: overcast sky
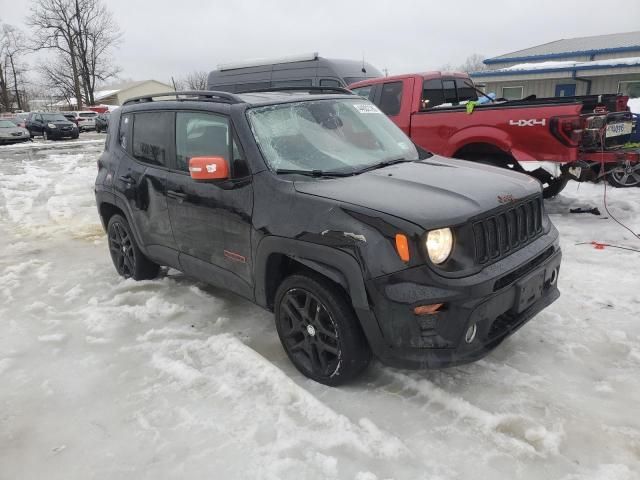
164,38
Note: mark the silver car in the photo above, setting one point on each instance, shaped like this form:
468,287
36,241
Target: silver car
11,133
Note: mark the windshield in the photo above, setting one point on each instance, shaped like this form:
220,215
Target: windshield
7,124
329,135
53,117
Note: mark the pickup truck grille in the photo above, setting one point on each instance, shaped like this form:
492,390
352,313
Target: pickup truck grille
508,230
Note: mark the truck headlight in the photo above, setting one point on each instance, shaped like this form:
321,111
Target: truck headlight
439,244
51,125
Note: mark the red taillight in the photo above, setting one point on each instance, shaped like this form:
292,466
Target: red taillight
567,129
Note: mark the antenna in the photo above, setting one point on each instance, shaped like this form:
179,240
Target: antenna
364,70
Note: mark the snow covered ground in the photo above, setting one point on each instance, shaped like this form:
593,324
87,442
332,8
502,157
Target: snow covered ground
106,378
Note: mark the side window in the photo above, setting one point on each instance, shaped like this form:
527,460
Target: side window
123,132
152,137
432,94
200,135
391,98
450,92
307,82
329,82
465,91
366,92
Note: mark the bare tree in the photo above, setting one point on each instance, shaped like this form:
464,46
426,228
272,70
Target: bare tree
83,33
473,63
53,26
13,46
196,80
97,33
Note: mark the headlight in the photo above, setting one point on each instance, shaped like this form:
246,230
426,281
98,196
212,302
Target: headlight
439,245
51,125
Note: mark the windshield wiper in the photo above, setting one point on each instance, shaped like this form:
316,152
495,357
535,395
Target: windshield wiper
378,165
313,173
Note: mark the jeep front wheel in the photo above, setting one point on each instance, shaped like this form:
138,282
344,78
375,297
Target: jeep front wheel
319,330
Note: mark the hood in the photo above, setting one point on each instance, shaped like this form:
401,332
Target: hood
8,132
431,193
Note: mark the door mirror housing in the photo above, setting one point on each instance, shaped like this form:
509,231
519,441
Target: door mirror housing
208,168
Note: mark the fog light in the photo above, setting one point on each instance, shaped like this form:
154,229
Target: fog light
471,333
427,309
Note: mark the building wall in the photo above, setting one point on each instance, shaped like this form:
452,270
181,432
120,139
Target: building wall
147,88
547,87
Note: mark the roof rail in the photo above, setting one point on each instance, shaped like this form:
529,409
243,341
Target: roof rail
200,95
301,89
261,62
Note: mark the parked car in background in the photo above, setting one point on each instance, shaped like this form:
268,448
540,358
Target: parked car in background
70,116
51,126
553,139
295,71
85,120
12,133
102,122
315,206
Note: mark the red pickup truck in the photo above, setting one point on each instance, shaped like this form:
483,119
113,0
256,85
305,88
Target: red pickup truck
553,139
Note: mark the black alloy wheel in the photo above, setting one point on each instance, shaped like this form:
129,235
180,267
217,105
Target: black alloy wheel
319,330
127,258
309,333
121,249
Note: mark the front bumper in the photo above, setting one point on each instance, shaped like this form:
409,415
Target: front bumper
59,134
498,301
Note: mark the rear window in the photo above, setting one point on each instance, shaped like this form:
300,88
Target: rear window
153,136
450,95
391,98
366,92
466,91
432,94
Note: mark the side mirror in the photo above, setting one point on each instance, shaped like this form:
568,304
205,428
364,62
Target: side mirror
208,168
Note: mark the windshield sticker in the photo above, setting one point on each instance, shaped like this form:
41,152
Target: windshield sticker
366,108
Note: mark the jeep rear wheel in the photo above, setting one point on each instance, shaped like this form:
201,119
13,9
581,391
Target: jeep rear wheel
319,330
129,261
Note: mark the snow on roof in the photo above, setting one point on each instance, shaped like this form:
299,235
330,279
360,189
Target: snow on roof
565,65
572,64
572,46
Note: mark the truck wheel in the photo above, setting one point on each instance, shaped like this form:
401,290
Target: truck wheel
624,176
319,330
129,261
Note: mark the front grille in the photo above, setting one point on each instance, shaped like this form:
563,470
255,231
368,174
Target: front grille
506,231
16,134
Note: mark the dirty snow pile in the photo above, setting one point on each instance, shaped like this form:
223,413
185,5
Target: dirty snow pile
106,378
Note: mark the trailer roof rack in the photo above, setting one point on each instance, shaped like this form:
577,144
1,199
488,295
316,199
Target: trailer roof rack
301,89
189,95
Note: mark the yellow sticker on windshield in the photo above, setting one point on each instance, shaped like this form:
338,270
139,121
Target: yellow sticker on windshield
366,108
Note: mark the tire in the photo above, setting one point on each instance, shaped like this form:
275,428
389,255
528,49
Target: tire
554,187
127,258
319,330
75,137
624,176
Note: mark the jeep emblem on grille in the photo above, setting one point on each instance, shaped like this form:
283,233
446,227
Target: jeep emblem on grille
508,198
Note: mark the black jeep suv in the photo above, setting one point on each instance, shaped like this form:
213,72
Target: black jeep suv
314,205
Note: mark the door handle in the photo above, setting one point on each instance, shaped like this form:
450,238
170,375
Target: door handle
176,195
128,179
